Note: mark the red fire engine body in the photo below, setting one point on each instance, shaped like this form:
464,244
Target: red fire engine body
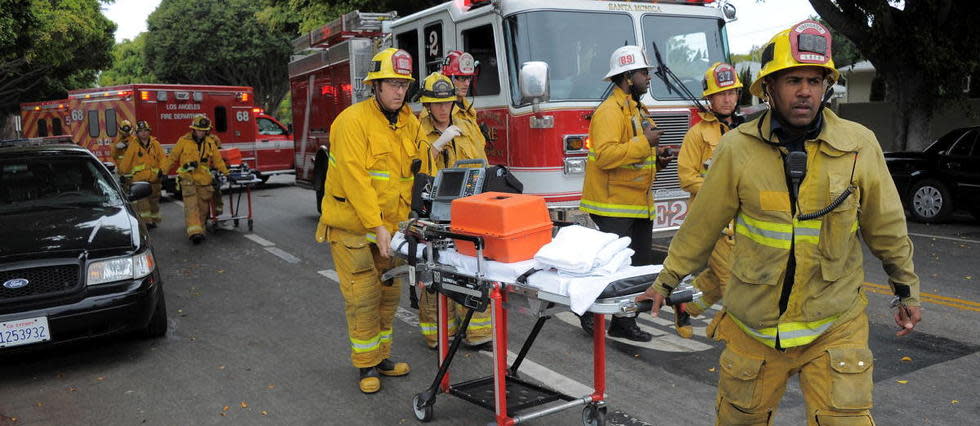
92,116
547,150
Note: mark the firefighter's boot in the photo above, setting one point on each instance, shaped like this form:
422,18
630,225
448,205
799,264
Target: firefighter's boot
626,328
393,369
370,381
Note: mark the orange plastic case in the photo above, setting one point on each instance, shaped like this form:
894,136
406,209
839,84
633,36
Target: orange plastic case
232,157
514,226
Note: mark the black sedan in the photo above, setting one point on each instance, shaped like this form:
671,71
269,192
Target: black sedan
75,260
941,179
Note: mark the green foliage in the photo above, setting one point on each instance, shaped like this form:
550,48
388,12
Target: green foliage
745,76
128,64
48,47
218,42
844,51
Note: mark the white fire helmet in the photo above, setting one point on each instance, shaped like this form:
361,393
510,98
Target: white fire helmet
626,58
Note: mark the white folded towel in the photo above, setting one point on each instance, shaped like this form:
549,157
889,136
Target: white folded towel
574,249
583,292
611,250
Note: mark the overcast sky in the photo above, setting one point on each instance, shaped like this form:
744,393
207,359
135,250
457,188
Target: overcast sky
757,21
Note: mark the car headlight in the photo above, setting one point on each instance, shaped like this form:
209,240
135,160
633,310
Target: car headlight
123,268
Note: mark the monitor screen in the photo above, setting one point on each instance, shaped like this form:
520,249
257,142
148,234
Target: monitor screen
451,183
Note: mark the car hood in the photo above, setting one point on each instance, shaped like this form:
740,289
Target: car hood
77,230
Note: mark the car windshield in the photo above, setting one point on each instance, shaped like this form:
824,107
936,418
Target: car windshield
689,45
576,51
47,182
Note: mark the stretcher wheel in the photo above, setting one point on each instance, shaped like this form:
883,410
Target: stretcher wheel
249,224
423,413
594,416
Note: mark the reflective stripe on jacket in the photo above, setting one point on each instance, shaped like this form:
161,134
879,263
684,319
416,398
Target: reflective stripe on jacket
143,163
369,181
621,165
747,184
206,155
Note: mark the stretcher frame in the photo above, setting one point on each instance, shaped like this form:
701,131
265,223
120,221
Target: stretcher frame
243,180
475,291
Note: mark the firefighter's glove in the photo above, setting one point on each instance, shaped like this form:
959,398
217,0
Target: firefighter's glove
121,145
664,157
190,166
447,135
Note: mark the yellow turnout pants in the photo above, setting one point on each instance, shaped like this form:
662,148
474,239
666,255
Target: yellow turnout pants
835,375
479,330
196,204
368,304
712,280
149,207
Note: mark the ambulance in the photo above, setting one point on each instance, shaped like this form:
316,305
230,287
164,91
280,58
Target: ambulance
543,139
92,116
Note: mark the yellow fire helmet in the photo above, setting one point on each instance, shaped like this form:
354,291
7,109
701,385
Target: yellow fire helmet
391,63
719,78
200,122
143,125
806,44
437,88
126,127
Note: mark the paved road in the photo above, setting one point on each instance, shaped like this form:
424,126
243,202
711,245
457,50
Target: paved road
257,336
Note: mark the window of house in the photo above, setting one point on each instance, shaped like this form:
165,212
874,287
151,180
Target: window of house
480,43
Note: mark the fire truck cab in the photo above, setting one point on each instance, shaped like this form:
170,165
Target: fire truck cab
92,117
544,141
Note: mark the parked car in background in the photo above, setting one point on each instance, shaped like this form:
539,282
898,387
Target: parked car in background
943,178
75,260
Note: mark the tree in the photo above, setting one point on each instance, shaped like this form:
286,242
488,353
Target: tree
48,47
128,64
923,52
218,42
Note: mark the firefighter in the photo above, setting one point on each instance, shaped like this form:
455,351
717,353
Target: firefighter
196,155
460,67
122,141
621,168
446,143
804,187
141,163
368,192
721,90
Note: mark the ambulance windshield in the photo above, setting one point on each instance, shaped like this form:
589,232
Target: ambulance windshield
576,46
688,45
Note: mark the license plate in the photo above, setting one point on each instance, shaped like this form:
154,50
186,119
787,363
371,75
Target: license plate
24,332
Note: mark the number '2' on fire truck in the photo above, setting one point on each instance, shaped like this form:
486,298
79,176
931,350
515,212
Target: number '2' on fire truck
543,141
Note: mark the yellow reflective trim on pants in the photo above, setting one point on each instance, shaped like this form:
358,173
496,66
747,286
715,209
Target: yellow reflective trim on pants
139,168
778,235
379,174
408,179
617,210
146,214
480,323
369,345
790,334
194,228
429,328
385,336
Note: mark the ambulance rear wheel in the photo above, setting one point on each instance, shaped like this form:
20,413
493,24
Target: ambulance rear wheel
594,416
423,414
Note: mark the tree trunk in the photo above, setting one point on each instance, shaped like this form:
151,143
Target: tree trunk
913,113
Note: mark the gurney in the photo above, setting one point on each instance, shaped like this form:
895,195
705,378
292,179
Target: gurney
477,283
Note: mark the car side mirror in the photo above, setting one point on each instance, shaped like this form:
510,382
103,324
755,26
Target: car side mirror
110,165
139,190
533,83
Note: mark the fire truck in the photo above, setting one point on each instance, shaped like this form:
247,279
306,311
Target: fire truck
92,116
542,138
